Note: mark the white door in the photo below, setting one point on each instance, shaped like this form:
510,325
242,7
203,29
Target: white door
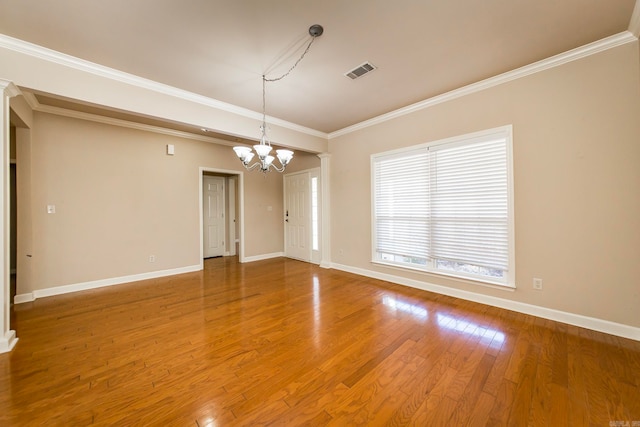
213,226
297,217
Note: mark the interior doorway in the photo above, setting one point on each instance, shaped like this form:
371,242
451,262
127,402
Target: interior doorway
13,229
213,215
221,213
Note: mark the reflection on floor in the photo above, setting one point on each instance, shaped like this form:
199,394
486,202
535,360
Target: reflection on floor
284,342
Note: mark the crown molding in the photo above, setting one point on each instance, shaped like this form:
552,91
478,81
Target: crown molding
31,49
31,100
9,88
536,67
634,22
65,60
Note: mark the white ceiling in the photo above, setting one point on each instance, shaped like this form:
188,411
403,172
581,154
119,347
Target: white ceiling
220,48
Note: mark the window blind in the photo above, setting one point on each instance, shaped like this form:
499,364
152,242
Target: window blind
469,204
402,205
445,206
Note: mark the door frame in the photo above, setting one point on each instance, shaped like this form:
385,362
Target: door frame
8,338
231,218
239,195
316,254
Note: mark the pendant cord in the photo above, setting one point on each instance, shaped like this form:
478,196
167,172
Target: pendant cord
264,89
293,66
264,104
264,161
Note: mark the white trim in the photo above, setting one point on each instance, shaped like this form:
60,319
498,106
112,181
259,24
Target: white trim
31,100
231,220
8,342
7,336
511,194
536,67
59,58
316,254
9,88
262,257
554,61
325,211
22,298
634,22
77,287
600,325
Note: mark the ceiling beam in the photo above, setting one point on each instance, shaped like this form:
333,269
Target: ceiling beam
36,68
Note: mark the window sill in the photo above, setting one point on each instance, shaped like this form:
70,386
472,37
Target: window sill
456,278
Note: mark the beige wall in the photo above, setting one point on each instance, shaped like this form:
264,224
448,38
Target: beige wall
119,198
24,234
303,161
577,182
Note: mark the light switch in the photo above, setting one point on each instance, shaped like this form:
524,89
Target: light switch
51,209
171,149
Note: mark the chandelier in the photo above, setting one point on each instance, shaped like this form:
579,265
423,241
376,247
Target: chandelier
265,160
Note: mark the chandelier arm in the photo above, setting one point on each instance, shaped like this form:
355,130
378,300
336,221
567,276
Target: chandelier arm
253,166
277,168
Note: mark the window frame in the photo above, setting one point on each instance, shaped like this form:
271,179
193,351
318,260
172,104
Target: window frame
508,281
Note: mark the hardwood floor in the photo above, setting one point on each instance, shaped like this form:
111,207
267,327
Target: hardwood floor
282,342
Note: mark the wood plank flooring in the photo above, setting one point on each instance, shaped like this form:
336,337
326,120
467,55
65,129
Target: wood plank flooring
282,342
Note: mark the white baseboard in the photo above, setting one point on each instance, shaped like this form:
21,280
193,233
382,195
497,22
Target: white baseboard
8,342
262,257
22,298
600,325
65,289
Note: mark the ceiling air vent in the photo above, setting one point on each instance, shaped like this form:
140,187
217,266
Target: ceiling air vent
360,70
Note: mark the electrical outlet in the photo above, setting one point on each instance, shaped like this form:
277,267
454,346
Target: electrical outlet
152,258
537,284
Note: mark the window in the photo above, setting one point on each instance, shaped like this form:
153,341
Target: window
446,207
